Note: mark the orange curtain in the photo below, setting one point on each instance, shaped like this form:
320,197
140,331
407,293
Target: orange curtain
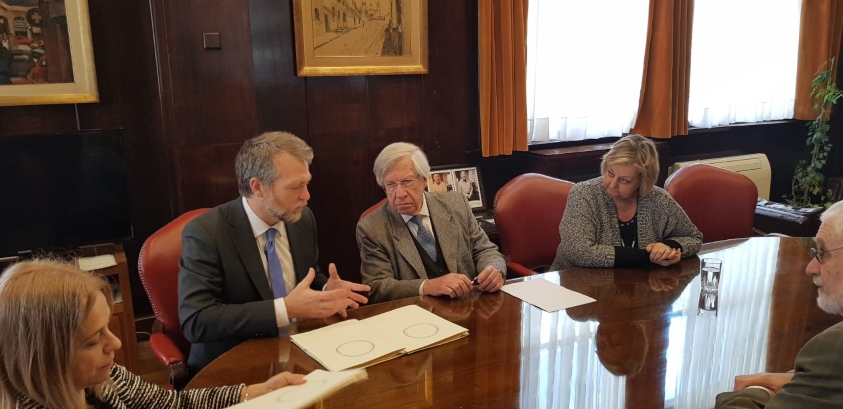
663,104
820,33
502,34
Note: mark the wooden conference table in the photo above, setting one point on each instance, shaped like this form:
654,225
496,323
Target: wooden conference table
649,341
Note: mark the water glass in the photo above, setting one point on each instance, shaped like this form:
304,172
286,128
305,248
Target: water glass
710,274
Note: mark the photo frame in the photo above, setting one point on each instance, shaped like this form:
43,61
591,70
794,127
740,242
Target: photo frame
376,37
46,55
450,179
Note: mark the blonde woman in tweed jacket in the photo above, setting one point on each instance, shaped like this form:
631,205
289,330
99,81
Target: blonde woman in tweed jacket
622,219
57,352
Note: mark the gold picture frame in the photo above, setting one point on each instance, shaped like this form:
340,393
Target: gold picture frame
58,29
355,37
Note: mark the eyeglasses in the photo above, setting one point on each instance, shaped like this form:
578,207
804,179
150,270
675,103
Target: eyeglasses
819,254
390,187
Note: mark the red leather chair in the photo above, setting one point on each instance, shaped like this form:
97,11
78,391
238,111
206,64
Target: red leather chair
720,202
528,210
366,213
373,208
158,267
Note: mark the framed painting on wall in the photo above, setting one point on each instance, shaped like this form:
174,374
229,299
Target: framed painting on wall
46,56
360,37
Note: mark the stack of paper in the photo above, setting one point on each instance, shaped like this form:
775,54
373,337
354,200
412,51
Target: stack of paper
320,384
96,262
358,344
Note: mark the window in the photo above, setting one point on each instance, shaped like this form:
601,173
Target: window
316,14
585,63
743,61
584,66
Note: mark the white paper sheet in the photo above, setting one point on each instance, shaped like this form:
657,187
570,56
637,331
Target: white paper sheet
96,262
347,344
352,343
320,384
546,295
415,328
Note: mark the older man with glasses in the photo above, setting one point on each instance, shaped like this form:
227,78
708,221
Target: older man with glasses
817,380
422,243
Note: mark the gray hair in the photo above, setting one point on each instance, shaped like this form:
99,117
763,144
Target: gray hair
256,158
639,152
834,216
46,301
394,152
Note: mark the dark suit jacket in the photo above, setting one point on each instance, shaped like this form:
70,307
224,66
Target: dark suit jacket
817,383
391,263
224,294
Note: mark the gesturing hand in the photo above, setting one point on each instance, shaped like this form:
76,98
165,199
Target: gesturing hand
335,282
451,284
303,302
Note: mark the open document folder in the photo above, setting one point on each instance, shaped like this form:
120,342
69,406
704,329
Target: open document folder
358,344
546,295
320,385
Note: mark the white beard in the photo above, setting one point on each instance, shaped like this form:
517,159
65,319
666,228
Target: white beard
830,303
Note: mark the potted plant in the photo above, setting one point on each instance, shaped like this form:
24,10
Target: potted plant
808,186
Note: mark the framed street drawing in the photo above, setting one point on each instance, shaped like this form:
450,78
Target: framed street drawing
458,178
360,37
46,56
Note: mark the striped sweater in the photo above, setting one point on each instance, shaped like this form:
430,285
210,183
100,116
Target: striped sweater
129,391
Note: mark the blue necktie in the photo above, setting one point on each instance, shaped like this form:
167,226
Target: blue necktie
424,237
273,265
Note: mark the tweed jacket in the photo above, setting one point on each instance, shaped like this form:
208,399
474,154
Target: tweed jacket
816,384
391,264
129,391
589,228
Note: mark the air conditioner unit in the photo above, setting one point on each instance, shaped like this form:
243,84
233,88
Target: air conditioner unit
755,166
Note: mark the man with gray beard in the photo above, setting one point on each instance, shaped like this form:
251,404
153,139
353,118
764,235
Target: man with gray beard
249,267
817,380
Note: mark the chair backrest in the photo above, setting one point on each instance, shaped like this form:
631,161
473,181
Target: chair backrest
721,203
528,210
373,208
366,213
158,267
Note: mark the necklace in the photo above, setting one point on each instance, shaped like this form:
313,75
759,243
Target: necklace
629,231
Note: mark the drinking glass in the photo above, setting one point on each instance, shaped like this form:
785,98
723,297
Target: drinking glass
710,274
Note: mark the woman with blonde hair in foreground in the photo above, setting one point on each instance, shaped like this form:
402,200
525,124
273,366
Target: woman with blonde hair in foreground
57,352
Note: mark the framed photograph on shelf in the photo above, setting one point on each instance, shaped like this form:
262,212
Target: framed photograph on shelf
46,56
375,37
458,178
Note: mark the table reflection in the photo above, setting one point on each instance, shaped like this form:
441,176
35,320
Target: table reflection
643,344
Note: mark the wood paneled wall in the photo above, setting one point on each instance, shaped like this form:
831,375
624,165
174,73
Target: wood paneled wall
218,98
186,110
129,99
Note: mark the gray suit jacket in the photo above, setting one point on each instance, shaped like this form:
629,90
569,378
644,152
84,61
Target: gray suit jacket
391,264
817,383
224,294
